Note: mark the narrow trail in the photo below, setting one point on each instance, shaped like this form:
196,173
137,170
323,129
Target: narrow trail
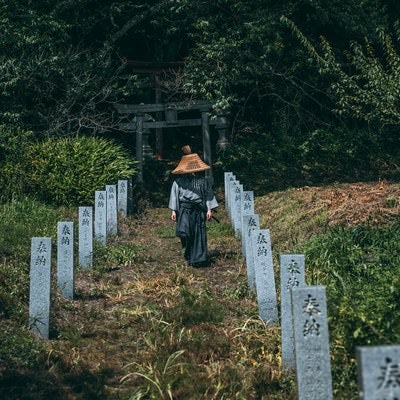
114,321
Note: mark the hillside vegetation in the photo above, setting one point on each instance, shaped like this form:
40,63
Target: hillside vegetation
145,326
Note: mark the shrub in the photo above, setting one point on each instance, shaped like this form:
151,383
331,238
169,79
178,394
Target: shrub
268,161
330,155
13,145
279,160
67,171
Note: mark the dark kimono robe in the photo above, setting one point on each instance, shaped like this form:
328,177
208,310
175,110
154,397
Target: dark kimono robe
191,197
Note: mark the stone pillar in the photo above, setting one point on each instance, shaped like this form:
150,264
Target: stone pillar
112,215
378,374
65,258
250,223
100,216
264,275
227,175
292,275
85,237
122,197
311,338
39,293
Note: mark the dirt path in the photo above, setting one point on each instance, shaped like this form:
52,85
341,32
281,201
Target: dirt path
111,330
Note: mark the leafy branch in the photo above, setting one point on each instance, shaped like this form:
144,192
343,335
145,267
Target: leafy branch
368,88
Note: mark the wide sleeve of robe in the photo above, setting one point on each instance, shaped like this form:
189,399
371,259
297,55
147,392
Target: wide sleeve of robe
211,204
211,201
174,197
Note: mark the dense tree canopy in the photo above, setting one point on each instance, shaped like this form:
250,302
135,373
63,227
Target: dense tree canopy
62,67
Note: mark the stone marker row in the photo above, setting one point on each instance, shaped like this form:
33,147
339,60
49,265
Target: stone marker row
105,222
304,326
256,246
305,338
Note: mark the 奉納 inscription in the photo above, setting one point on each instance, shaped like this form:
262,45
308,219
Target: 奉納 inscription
311,342
264,275
379,375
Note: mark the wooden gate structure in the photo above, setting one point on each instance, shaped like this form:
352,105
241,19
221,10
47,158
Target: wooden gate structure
142,117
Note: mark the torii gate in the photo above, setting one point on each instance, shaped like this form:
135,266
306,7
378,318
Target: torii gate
171,120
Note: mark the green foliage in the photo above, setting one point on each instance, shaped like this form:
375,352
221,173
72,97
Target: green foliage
218,230
13,146
237,55
18,348
156,182
323,155
238,292
106,258
244,57
68,170
166,232
368,90
246,61
54,81
360,269
329,155
197,307
22,220
267,160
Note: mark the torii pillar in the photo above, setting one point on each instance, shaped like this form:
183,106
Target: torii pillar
139,145
205,129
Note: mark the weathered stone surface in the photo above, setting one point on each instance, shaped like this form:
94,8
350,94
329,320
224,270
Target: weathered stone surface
247,209
232,191
237,204
250,223
291,275
264,275
65,258
379,372
85,237
227,175
39,292
231,182
100,216
247,202
112,215
123,197
311,337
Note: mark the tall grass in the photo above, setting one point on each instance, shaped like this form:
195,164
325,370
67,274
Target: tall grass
22,219
361,269
19,222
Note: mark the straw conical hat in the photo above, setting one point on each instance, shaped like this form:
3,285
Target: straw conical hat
190,163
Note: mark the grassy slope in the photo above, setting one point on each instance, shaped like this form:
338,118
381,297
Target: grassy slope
350,235
144,325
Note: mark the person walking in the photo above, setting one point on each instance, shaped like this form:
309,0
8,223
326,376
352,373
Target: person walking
192,202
